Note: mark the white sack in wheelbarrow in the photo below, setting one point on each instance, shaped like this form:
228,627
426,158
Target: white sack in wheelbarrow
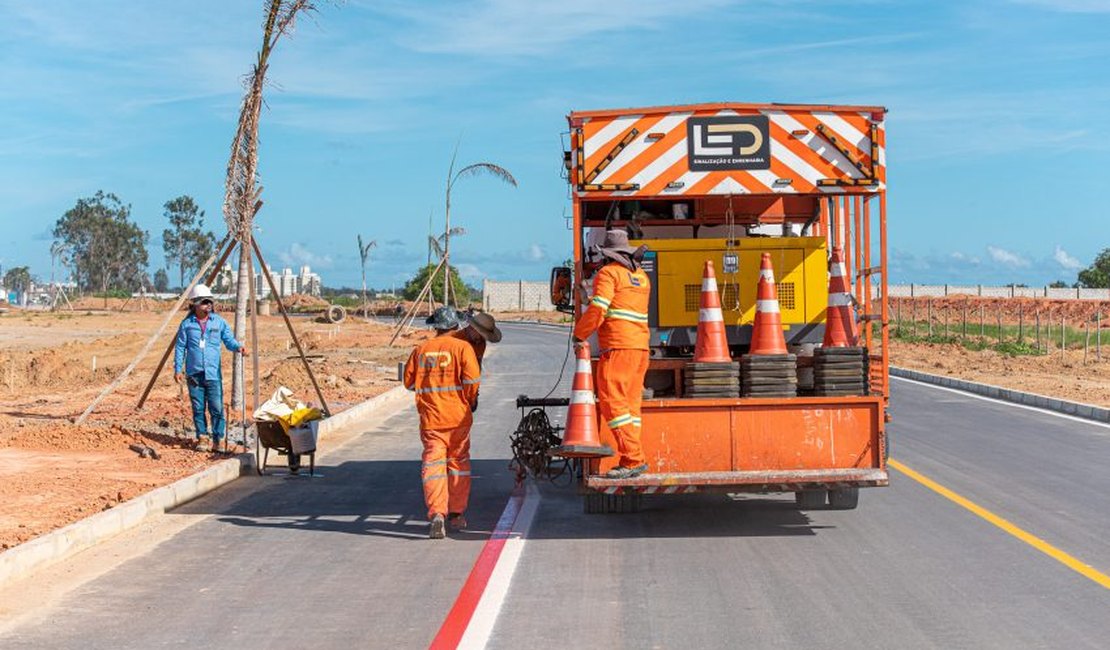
279,407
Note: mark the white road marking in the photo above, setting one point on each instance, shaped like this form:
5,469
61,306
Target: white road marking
493,597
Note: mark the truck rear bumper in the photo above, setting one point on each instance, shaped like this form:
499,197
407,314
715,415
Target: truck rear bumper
745,481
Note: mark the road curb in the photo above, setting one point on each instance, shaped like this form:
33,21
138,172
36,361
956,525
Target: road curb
22,560
362,409
1077,409
38,553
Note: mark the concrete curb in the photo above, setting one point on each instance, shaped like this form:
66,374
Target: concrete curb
1077,409
362,409
28,557
535,322
25,559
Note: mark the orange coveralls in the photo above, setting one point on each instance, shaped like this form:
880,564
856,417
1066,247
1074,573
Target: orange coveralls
479,343
619,314
445,376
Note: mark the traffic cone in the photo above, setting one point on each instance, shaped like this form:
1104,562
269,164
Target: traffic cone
767,335
712,344
580,440
840,326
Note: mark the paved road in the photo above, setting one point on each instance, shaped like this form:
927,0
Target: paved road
341,561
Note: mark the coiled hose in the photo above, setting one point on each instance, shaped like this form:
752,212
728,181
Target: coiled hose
532,443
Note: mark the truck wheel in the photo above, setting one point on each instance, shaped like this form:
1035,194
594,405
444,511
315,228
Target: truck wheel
594,503
844,498
810,499
597,503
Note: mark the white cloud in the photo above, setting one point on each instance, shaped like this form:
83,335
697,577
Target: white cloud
298,255
1066,260
536,253
512,28
1005,257
470,273
1070,6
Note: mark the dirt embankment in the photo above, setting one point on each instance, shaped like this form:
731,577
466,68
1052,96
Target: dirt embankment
52,365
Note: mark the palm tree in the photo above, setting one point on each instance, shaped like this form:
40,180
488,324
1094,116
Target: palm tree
364,253
474,169
436,244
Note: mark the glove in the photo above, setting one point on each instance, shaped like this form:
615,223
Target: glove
474,405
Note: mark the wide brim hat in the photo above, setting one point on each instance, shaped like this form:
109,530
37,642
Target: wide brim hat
443,318
616,246
486,326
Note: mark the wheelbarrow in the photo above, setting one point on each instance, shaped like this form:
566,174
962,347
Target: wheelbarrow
299,441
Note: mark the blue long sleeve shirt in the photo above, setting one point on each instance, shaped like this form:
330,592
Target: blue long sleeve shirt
197,358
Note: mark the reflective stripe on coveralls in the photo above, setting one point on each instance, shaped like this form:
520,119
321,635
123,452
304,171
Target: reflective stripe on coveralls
619,314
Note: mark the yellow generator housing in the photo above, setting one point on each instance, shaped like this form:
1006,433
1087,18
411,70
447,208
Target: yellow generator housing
801,278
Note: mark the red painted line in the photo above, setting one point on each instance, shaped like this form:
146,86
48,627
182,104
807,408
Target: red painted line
458,619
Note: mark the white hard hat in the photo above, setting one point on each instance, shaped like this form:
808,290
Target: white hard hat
200,291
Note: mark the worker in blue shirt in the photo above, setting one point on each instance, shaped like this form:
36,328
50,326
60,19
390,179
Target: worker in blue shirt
197,352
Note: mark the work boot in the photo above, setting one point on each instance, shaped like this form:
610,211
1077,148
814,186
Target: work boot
436,531
456,521
626,472
204,444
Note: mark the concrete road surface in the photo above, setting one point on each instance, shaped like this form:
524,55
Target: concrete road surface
341,561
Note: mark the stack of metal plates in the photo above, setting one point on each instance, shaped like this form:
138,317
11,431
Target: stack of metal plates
712,379
840,371
769,375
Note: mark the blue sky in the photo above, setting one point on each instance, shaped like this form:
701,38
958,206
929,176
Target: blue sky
998,132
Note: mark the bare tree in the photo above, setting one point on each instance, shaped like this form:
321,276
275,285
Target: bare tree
364,254
242,191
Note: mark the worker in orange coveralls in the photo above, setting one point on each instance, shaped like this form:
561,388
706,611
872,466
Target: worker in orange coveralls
481,328
618,312
444,373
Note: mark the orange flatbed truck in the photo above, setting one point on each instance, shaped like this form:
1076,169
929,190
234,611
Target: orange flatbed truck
728,182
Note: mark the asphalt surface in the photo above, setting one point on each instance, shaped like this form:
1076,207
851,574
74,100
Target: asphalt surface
342,561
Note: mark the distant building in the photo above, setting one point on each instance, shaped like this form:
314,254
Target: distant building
287,282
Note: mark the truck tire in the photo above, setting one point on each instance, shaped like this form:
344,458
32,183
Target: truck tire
844,498
810,499
598,503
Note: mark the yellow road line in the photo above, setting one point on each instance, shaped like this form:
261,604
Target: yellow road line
1036,542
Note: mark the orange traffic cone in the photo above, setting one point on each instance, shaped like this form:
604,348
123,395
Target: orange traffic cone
767,335
840,326
581,438
712,344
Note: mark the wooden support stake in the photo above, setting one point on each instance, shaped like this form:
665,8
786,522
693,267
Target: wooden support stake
254,337
415,304
146,348
289,325
1086,340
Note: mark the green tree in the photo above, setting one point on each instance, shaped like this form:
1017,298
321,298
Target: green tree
161,281
416,285
100,242
1058,284
1097,275
185,243
18,278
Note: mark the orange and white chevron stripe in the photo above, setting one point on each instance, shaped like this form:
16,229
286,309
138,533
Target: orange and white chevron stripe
655,151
